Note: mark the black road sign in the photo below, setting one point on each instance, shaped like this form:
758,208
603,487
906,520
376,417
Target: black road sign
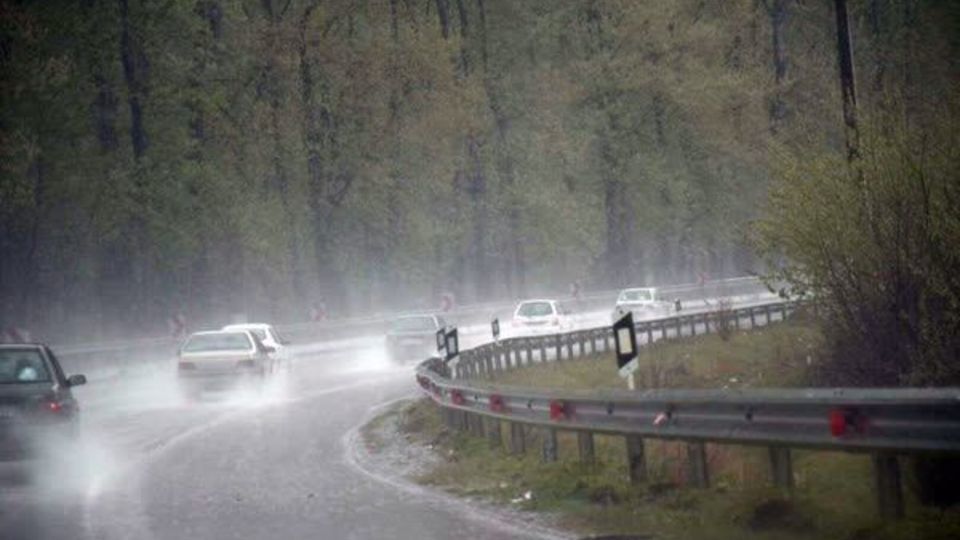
441,340
452,344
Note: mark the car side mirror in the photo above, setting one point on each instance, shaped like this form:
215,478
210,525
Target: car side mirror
76,380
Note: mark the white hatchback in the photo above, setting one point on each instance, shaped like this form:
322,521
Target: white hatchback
643,302
540,317
267,335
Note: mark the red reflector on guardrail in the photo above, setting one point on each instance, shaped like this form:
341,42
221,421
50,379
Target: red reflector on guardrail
558,410
496,403
456,396
838,422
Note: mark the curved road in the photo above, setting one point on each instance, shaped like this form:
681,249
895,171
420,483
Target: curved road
234,466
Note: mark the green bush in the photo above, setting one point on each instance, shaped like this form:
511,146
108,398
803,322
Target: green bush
877,246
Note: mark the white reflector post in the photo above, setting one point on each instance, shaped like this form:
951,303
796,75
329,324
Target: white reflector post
624,345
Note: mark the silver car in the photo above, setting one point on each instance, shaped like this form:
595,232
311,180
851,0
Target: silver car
223,359
643,302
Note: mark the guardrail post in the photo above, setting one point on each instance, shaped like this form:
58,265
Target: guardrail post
569,348
783,312
649,333
697,471
475,424
781,467
693,325
543,350
736,319
529,352
548,453
493,433
767,309
593,343
583,346
559,346
636,461
753,318
663,329
585,445
518,443
886,469
448,419
679,328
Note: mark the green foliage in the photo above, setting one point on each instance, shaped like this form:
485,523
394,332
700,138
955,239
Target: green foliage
875,244
216,157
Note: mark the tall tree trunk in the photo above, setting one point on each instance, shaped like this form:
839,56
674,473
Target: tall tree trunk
847,81
319,138
477,191
443,14
135,72
777,11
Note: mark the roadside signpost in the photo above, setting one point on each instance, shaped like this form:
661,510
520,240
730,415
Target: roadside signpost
441,341
625,336
495,328
451,344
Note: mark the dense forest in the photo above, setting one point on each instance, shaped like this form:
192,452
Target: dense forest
213,157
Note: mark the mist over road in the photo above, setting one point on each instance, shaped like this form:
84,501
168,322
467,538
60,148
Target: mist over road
234,465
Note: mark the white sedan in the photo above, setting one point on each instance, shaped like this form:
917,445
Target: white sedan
268,335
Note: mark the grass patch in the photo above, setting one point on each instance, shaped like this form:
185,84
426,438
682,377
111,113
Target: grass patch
775,356
833,498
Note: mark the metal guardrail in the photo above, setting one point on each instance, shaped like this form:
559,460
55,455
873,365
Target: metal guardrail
486,360
884,422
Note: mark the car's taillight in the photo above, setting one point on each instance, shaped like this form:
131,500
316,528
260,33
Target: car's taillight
51,406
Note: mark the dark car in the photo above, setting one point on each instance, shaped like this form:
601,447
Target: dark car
35,399
413,337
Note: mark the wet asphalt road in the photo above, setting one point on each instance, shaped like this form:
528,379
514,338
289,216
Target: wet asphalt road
236,465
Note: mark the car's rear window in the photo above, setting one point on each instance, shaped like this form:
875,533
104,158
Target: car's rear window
227,341
22,366
640,295
535,309
414,324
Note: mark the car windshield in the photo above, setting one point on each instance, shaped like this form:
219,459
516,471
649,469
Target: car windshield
535,309
22,366
636,295
414,324
226,341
